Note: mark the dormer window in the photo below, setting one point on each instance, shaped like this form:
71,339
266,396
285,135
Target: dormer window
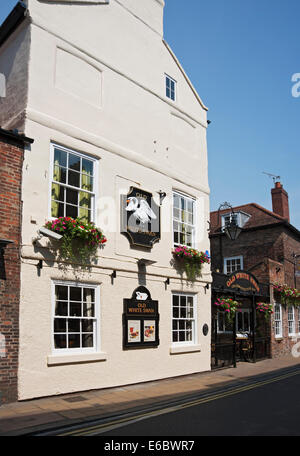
170,88
239,218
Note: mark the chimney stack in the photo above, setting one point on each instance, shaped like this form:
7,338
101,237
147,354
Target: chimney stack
280,201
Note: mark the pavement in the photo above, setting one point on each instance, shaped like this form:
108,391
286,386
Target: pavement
36,415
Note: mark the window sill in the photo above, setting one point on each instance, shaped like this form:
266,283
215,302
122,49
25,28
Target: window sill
53,360
185,349
279,338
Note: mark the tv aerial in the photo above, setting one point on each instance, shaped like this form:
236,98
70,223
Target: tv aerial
273,176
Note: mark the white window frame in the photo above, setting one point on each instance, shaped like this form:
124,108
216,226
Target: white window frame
96,318
278,320
175,220
194,320
239,257
94,193
167,77
291,321
242,312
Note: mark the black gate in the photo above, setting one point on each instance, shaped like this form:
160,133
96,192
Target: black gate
227,350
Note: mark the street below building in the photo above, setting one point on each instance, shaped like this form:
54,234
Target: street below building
266,405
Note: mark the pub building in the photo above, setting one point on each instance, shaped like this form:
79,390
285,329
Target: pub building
264,245
243,335
119,141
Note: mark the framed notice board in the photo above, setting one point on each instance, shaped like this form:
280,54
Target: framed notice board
140,320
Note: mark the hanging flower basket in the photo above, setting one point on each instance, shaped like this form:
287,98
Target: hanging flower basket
229,305
80,239
264,309
290,295
190,260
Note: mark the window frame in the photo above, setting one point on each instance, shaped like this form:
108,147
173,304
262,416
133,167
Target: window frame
94,193
237,257
167,77
193,200
96,318
223,331
194,320
278,336
291,334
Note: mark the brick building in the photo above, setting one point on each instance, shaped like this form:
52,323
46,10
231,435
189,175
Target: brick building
11,162
267,247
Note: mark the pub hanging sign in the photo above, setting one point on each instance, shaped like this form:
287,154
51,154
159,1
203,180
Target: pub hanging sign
243,281
140,320
140,218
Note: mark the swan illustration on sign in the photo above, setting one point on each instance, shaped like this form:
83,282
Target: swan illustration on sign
141,209
140,218
141,296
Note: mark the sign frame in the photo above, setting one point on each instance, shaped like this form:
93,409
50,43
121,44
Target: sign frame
144,311
140,234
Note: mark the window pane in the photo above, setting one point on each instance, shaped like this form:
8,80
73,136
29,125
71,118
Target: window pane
181,336
74,162
75,294
61,308
175,300
73,325
74,340
182,301
71,211
87,167
84,199
87,340
60,157
175,336
61,292
175,312
60,341
73,178
88,310
181,324
57,192
75,309
71,196
176,201
59,174
87,325
60,325
86,182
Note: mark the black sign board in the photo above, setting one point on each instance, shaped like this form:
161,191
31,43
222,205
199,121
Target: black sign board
140,320
243,281
140,218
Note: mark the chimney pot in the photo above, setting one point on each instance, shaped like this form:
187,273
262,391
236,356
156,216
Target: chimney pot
280,201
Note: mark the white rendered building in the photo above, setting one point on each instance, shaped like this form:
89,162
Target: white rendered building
105,100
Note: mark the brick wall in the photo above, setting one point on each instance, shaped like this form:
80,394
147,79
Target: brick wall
268,254
11,161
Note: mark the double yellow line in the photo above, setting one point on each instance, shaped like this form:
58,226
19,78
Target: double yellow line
117,423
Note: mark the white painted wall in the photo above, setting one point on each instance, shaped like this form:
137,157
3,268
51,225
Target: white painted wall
96,84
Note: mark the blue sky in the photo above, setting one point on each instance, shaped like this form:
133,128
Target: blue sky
241,55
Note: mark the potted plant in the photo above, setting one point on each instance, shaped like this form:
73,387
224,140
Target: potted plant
79,239
265,309
190,260
229,305
290,295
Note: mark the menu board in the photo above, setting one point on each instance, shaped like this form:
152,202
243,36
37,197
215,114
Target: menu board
140,320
